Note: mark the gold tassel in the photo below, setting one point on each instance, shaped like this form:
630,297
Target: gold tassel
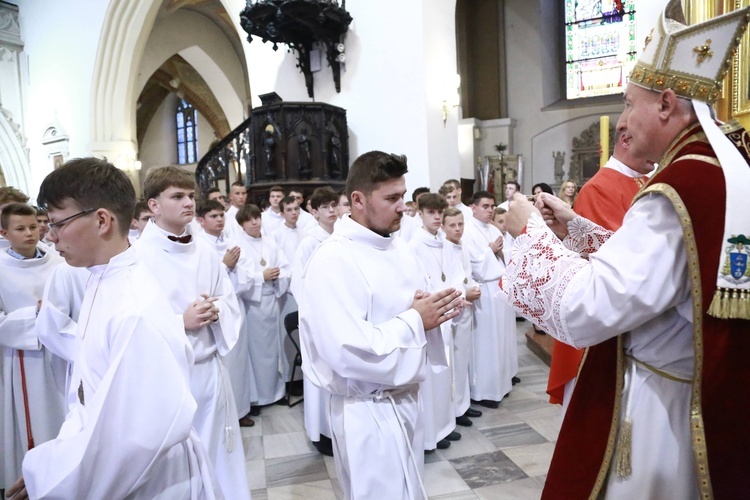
730,304
725,304
624,445
745,305
715,308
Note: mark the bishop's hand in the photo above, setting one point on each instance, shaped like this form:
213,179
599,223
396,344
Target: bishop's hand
556,213
519,211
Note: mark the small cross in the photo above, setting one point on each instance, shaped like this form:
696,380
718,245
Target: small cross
704,51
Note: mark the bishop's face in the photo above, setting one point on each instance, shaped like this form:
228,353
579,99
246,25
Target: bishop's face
641,123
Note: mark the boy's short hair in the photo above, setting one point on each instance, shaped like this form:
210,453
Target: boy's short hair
452,184
323,195
445,189
373,168
162,178
15,209
277,189
90,183
418,192
518,186
211,191
286,200
206,206
140,207
248,212
481,195
498,211
235,183
410,204
432,201
40,211
9,194
451,212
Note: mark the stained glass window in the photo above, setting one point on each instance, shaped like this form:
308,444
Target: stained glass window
187,133
600,47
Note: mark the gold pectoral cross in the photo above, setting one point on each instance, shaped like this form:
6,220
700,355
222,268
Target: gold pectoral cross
704,51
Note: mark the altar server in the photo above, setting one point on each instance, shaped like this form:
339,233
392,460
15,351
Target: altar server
201,293
210,215
262,305
369,329
436,391
34,404
129,434
495,360
323,203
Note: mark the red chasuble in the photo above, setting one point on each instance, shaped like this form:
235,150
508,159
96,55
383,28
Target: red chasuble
604,199
693,181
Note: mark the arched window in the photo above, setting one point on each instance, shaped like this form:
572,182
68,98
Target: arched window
187,133
600,46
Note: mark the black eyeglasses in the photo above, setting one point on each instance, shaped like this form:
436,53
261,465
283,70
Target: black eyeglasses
60,223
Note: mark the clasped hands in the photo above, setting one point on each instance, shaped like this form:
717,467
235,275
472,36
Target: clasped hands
201,312
437,308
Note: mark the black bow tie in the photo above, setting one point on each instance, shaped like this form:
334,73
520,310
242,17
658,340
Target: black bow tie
181,239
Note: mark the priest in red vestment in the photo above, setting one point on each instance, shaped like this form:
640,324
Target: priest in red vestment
604,199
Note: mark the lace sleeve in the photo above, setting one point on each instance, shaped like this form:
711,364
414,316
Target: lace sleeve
538,274
585,237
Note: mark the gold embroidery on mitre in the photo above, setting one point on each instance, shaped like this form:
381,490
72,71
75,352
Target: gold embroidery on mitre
649,37
704,51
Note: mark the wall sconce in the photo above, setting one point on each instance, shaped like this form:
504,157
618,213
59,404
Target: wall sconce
454,100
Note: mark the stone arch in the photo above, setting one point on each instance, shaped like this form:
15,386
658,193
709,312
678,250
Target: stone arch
13,159
125,31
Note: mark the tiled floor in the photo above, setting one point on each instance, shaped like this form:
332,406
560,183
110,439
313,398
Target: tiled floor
505,454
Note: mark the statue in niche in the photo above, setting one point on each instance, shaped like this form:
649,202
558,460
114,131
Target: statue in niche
269,145
559,157
335,156
303,143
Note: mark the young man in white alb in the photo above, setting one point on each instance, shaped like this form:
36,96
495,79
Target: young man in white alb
370,332
262,305
199,290
451,189
128,433
237,200
288,237
272,218
34,401
463,325
323,204
306,220
210,215
436,391
495,360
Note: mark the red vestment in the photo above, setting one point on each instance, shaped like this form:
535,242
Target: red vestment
604,199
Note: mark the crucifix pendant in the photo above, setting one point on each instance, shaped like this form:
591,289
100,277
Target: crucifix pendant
262,261
466,280
442,277
80,393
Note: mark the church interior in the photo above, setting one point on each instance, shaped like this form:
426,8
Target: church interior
484,91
